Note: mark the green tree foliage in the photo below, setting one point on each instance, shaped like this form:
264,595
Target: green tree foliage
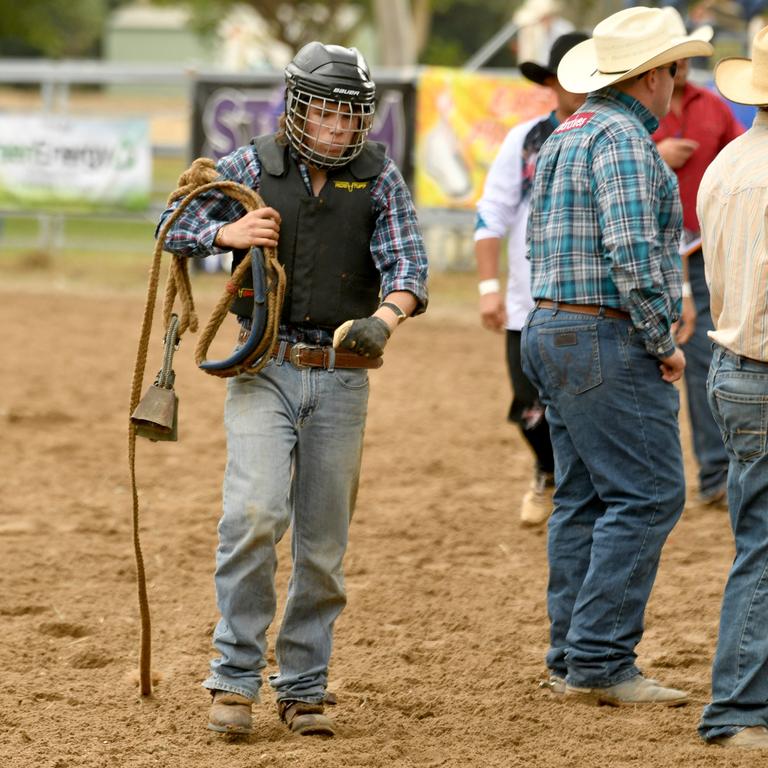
460,27
52,28
448,32
452,30
293,22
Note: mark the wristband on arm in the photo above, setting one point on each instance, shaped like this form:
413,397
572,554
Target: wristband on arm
492,285
390,305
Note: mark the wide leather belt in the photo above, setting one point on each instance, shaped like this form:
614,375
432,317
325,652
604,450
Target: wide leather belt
306,356
584,309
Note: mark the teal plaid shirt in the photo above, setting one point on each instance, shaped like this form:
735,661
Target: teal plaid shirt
606,218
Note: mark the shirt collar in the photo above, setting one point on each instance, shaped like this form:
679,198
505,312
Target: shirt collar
639,110
553,118
690,93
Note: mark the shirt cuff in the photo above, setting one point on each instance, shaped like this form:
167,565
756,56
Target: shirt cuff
207,235
661,348
418,290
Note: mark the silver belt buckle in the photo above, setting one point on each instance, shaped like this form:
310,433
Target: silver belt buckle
296,350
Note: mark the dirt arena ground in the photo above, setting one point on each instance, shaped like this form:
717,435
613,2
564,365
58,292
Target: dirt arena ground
439,652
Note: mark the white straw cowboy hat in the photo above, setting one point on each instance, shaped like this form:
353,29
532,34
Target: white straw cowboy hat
532,11
745,81
627,44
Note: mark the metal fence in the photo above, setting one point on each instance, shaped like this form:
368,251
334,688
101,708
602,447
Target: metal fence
165,96
78,88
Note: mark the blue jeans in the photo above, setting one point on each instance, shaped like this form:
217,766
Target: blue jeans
738,396
707,441
294,445
619,487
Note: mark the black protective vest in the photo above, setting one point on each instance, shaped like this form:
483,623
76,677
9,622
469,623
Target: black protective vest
325,241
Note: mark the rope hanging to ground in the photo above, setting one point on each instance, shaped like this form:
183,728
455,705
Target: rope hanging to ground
198,179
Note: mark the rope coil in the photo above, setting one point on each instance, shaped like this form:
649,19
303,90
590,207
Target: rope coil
200,178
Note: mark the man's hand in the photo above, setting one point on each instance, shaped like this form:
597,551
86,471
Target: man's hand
683,329
366,336
672,367
493,316
260,227
675,152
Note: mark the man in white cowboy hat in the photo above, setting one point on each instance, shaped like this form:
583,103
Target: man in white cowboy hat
698,125
732,207
603,242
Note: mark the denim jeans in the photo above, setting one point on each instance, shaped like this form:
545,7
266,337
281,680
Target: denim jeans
294,444
619,487
738,396
707,441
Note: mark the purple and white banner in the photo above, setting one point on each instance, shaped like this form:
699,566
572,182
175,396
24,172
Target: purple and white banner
228,114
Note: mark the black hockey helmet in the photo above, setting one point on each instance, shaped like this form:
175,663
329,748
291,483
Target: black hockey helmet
337,82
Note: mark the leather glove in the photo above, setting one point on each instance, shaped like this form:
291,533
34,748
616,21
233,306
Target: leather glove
366,336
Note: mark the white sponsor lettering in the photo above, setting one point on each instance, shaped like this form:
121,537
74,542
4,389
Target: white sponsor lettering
575,121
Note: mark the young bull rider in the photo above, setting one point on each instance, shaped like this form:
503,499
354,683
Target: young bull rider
342,220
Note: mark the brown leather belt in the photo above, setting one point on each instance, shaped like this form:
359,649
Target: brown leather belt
306,356
584,309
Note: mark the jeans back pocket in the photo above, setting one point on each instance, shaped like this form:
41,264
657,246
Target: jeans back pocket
571,357
741,416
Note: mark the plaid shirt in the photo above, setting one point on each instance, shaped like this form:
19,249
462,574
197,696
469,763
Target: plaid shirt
397,247
606,218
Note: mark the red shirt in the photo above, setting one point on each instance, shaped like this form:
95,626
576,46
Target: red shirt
707,119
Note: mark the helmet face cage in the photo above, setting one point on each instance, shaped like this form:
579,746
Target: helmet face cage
326,133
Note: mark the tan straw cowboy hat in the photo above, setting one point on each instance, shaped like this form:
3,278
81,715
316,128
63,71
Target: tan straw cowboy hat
629,43
745,81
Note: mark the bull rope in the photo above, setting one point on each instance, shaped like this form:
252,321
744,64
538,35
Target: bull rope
196,180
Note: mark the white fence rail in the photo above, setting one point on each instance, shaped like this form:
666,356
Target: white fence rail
164,95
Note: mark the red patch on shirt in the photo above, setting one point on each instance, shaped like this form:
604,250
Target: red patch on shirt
578,120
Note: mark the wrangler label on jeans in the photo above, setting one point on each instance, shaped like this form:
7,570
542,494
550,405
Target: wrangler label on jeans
566,339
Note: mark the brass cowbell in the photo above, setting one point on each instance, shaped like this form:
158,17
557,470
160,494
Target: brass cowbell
157,414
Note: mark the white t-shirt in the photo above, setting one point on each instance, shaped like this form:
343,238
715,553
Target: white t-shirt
503,209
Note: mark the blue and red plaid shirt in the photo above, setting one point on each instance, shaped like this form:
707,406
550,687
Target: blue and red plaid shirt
397,247
606,218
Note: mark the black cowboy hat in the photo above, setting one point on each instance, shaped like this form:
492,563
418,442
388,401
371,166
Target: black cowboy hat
537,73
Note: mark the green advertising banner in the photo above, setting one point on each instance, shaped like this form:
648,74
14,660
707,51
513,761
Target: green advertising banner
57,163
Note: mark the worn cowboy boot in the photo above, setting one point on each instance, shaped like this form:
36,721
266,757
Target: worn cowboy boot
751,737
305,718
636,690
230,713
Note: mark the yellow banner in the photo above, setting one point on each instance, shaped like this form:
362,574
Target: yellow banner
461,121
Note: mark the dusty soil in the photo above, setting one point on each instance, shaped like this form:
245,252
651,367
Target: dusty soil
440,650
